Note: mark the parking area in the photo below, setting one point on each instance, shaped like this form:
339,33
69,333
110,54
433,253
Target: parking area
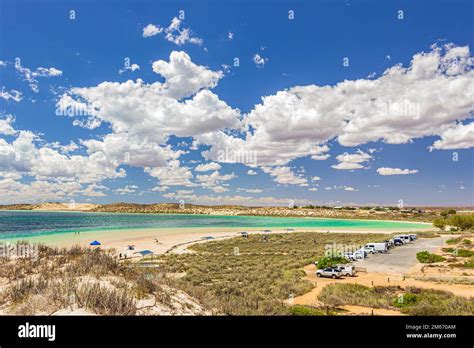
395,267
400,260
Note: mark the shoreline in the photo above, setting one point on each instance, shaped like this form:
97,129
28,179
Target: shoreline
172,239
46,234
218,215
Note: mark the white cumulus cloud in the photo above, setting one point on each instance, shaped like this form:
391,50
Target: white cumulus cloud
396,171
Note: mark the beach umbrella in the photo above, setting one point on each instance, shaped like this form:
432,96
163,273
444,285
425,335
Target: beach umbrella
95,243
144,253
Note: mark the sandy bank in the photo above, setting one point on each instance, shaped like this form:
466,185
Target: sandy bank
161,240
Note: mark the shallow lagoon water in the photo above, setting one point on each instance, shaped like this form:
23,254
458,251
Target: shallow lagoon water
18,224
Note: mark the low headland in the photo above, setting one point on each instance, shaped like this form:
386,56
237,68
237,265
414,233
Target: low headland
422,214
222,271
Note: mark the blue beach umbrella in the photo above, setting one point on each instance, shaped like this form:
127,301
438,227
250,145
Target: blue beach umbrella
95,243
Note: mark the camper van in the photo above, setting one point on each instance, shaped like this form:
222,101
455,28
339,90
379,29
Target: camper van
347,270
376,247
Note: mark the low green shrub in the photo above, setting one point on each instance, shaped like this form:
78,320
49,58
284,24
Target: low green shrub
426,257
437,302
463,253
469,263
454,240
412,301
305,311
405,300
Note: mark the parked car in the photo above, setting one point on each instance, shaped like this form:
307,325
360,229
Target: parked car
360,254
349,256
405,238
329,272
376,247
397,241
369,249
347,270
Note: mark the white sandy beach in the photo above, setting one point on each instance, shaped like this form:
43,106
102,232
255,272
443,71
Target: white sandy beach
171,239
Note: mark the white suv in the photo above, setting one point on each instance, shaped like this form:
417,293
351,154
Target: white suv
369,249
329,272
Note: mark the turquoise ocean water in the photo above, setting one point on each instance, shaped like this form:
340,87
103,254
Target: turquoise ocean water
17,224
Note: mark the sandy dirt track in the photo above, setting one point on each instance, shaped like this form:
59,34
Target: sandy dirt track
392,269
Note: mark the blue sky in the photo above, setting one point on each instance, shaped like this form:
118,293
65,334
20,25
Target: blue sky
144,140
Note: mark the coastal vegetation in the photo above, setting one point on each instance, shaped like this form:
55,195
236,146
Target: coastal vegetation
256,274
64,280
238,276
427,257
460,251
251,276
455,221
411,301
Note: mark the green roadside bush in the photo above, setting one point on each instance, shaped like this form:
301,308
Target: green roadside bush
463,253
460,222
404,300
305,311
330,261
454,240
426,257
463,222
439,223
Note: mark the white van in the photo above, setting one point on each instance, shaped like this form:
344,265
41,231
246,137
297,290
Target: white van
376,247
404,237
